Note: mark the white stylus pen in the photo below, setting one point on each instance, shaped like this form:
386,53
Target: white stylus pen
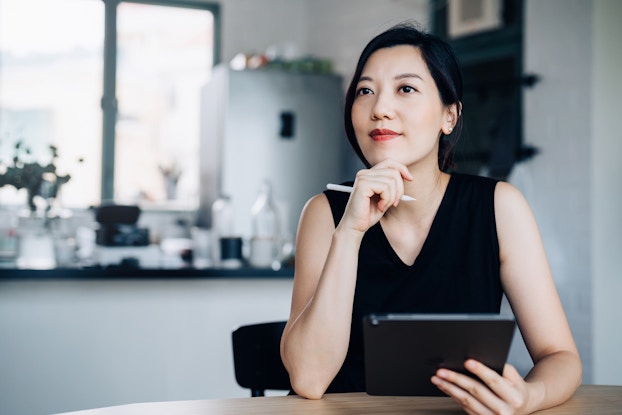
348,189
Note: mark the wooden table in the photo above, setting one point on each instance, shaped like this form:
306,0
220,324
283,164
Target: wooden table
589,399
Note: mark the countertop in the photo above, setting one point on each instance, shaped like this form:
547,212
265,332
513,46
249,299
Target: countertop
114,272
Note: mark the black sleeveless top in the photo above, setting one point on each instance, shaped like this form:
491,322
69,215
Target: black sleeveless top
457,270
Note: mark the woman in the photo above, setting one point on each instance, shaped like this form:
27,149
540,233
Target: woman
464,242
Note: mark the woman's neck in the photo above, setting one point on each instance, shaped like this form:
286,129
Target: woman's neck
426,185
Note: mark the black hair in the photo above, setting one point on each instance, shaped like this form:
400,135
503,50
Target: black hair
443,65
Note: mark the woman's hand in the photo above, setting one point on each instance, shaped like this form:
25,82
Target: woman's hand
495,394
375,191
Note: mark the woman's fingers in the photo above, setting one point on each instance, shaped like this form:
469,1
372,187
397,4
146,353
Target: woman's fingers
508,387
472,395
492,393
394,165
375,191
467,401
386,180
385,189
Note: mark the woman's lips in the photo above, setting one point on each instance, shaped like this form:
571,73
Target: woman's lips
381,134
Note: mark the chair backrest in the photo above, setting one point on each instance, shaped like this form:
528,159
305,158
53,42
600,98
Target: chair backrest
257,358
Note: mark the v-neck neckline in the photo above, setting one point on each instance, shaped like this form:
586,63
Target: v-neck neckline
433,228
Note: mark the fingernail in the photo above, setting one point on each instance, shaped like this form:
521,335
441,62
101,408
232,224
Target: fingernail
470,364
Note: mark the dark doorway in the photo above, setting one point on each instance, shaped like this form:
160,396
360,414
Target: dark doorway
491,57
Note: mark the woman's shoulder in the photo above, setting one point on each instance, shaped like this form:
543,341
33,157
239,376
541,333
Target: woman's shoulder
509,199
317,202
315,209
316,222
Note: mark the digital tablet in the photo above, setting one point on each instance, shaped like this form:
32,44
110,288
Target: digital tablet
403,351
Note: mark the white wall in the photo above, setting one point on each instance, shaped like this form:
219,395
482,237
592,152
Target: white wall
337,30
606,194
557,119
340,29
251,26
574,184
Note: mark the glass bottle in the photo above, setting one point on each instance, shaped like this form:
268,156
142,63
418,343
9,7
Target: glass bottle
222,225
264,247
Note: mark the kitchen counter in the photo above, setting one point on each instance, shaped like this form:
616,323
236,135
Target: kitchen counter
84,338
115,272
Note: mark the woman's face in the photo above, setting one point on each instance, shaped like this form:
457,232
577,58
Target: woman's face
397,112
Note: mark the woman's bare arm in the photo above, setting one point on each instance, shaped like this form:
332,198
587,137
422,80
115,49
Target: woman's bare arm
531,291
316,337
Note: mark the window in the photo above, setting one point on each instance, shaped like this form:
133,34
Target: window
113,83
51,69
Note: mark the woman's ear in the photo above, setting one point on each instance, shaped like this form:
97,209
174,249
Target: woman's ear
453,114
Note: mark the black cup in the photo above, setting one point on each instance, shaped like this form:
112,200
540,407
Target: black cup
231,248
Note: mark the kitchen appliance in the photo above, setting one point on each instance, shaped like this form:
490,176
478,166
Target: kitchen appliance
120,241
117,226
269,124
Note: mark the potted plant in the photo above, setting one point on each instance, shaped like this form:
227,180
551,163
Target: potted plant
39,180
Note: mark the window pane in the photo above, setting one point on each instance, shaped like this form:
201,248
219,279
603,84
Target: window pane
51,65
164,57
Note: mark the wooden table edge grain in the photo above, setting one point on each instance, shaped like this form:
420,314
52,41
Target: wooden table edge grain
589,399
592,400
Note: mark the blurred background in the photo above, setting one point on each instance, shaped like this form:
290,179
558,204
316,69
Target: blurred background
118,89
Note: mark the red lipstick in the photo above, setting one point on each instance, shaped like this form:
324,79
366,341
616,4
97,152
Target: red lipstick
383,134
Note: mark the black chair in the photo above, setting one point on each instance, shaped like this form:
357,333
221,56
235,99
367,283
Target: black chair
257,359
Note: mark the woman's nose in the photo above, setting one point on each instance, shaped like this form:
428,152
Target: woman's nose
383,108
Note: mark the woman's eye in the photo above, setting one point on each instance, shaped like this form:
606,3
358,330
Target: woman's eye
364,91
407,89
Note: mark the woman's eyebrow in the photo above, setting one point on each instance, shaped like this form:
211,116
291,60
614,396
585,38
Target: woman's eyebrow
397,77
408,75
